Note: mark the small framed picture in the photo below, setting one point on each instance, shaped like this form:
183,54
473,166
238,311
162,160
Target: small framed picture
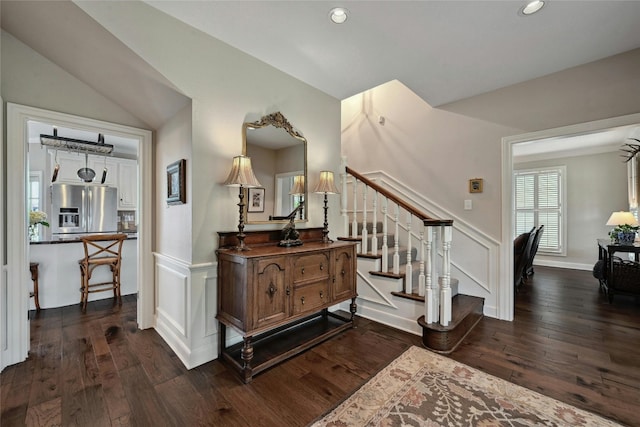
255,202
176,183
475,185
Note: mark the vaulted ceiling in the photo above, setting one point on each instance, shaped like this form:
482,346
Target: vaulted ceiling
442,50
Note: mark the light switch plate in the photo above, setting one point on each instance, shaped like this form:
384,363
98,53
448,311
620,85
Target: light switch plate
468,205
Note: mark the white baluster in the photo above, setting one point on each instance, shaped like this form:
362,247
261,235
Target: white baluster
421,278
430,302
364,248
396,247
343,198
374,229
408,274
354,222
385,246
445,290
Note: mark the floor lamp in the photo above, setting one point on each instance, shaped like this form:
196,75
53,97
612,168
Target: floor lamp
242,176
326,186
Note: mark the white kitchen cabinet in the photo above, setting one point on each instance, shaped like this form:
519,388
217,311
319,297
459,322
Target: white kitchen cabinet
127,184
97,163
69,165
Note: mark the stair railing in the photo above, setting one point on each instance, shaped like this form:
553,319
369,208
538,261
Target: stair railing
434,286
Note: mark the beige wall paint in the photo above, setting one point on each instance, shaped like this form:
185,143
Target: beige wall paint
30,79
596,186
434,152
228,88
598,90
173,222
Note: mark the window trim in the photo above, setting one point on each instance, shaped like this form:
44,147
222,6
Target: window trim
562,170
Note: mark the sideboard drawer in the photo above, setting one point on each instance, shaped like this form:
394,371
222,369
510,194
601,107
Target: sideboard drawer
311,267
310,297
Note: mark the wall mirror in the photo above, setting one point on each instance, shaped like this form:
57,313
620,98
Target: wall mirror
279,158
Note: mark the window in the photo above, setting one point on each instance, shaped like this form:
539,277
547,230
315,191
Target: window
34,200
539,201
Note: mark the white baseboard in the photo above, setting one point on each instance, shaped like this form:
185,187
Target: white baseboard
562,264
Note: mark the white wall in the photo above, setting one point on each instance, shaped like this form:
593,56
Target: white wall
174,222
30,79
227,86
432,151
596,186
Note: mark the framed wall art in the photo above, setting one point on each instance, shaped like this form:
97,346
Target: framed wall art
255,202
475,185
176,183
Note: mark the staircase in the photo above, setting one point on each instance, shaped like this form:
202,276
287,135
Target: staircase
403,272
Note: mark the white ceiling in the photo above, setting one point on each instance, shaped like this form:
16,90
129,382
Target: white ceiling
442,50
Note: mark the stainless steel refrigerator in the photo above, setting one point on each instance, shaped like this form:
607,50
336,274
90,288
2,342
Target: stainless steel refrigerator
82,209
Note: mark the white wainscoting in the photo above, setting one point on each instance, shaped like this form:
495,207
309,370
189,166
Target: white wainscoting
186,308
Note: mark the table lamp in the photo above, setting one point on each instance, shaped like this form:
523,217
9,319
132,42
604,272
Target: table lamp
242,176
326,186
298,190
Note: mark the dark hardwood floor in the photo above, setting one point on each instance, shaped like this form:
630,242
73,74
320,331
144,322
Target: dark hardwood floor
97,369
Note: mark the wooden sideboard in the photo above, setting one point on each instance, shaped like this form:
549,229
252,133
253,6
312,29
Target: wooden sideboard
277,298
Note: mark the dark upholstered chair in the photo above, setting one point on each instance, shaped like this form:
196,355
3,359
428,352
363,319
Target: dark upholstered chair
528,269
525,247
521,251
625,278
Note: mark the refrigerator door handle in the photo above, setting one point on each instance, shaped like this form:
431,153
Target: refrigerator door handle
89,211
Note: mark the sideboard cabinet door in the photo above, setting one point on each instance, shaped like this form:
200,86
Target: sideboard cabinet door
344,274
272,293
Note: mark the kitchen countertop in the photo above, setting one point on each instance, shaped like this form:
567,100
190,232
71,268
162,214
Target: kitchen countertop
47,240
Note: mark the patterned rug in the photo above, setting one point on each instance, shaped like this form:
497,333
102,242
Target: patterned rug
422,388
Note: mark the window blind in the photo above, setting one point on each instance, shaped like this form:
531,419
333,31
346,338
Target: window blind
538,201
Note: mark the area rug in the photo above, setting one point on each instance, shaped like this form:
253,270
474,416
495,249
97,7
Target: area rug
422,388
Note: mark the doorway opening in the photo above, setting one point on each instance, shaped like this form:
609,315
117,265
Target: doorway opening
15,331
592,137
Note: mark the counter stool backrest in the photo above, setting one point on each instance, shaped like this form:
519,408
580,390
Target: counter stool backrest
103,246
100,249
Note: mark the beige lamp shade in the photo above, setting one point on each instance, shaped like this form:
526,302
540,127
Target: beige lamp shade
622,218
326,185
241,174
298,185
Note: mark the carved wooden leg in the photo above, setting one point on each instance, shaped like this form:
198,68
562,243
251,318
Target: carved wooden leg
246,355
222,338
353,308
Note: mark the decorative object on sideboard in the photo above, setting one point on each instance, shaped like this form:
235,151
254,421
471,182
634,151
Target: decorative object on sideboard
475,185
176,183
291,236
326,186
241,176
625,227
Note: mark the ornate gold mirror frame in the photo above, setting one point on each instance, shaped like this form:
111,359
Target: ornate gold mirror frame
279,158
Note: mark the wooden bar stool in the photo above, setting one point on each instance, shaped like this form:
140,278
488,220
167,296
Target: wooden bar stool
101,249
33,267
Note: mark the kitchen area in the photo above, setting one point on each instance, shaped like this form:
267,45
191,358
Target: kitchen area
85,183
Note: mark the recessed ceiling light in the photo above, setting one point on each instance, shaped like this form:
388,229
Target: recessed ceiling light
532,7
338,15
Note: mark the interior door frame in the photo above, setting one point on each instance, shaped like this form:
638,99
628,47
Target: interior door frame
17,301
506,290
